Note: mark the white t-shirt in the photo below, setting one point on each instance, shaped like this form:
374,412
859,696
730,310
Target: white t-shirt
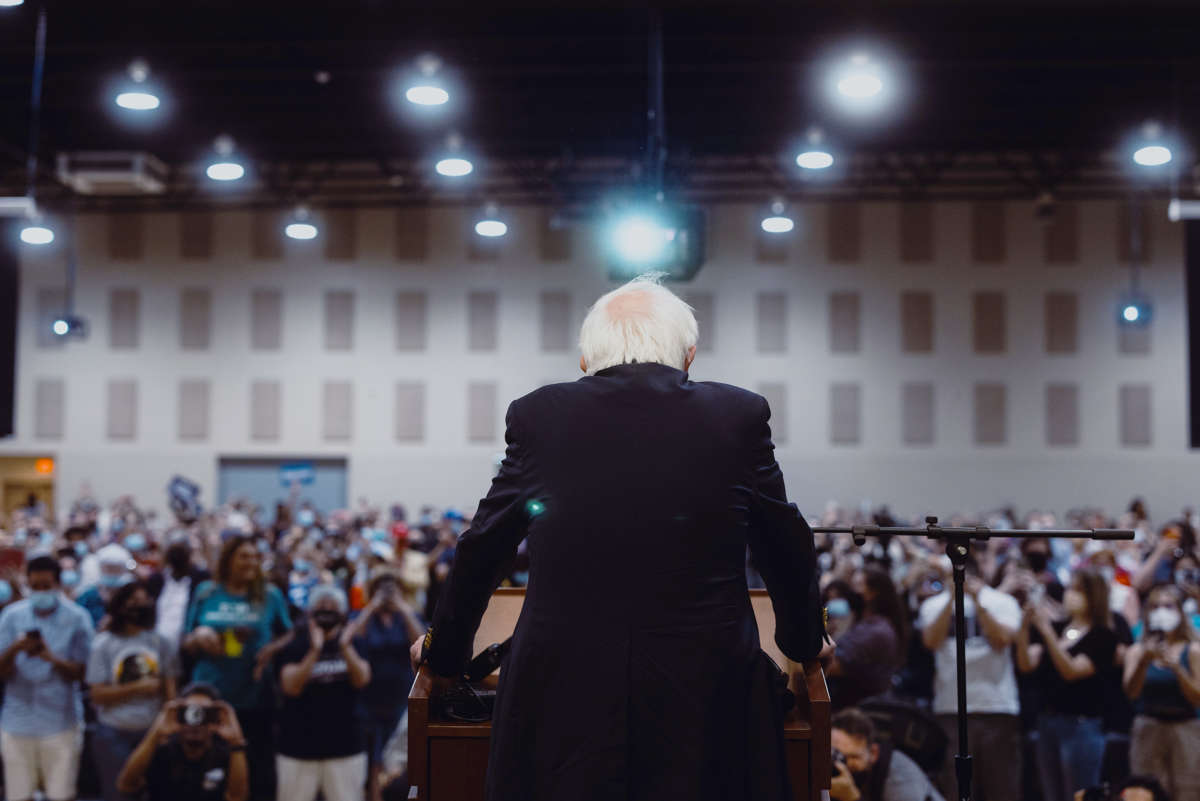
991,681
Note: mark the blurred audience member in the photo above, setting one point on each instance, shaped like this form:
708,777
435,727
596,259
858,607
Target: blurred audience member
173,588
870,651
321,673
1162,676
44,642
131,672
116,570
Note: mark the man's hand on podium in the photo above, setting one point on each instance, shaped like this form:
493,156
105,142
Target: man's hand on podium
827,650
440,683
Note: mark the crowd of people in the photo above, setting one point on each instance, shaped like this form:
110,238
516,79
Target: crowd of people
243,653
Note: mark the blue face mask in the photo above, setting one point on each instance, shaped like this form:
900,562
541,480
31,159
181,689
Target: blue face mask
69,578
117,580
838,607
44,600
301,566
135,542
81,549
5,592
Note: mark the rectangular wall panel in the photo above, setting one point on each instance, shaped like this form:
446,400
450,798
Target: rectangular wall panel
988,232
265,410
194,402
1060,239
916,232
845,402
988,322
771,320
341,234
49,408
481,411
124,315
411,320
412,234
1062,414
339,319
776,394
555,321
410,411
1135,419
195,318
554,238
196,235
122,409
843,232
916,413
916,322
704,308
337,410
1133,340
483,321
844,324
266,319
266,234
126,236
51,303
991,414
1062,322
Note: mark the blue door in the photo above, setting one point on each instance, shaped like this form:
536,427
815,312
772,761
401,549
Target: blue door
265,482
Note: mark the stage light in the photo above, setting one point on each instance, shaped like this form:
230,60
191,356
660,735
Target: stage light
654,236
36,234
1152,155
1134,309
426,95
226,167
861,83
301,225
10,3
1131,313
777,221
61,327
489,223
137,101
69,325
454,167
640,240
861,79
813,154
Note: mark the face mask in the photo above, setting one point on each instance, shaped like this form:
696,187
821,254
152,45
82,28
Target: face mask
301,566
1187,577
5,592
305,517
327,619
44,600
135,542
81,549
142,616
118,580
69,578
118,526
46,539
1164,619
838,607
1037,561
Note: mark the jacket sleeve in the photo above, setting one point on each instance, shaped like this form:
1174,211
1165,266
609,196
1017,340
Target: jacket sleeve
483,555
781,547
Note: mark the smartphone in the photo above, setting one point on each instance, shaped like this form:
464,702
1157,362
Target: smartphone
34,634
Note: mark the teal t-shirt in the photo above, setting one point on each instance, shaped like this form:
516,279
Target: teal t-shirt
244,627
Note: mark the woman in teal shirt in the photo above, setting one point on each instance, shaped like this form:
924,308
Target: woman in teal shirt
234,626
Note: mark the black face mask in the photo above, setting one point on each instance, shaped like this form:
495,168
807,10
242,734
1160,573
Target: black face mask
141,616
327,619
1037,561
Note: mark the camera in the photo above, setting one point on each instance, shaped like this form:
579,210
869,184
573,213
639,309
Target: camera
197,715
838,756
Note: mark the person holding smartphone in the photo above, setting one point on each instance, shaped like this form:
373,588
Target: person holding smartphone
195,751
44,643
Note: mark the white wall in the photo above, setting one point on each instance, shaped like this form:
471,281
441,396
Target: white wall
952,475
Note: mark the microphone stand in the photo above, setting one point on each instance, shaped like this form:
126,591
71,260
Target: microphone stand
958,546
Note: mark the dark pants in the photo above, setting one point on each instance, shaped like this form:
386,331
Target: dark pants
110,749
995,743
1070,754
258,726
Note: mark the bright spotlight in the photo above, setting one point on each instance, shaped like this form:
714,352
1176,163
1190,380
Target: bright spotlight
61,327
137,101
640,240
36,235
10,3
815,159
301,230
427,95
454,167
1135,309
860,84
225,171
777,225
861,79
1131,313
1152,155
491,228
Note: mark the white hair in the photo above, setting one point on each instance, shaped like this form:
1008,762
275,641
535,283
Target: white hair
641,321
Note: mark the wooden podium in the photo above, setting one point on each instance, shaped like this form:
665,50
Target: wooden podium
447,761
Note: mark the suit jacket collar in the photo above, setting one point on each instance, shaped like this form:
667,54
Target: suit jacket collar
629,369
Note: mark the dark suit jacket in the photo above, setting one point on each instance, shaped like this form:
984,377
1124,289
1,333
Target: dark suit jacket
634,670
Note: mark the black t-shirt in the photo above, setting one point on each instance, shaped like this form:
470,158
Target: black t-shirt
323,722
1085,697
173,777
